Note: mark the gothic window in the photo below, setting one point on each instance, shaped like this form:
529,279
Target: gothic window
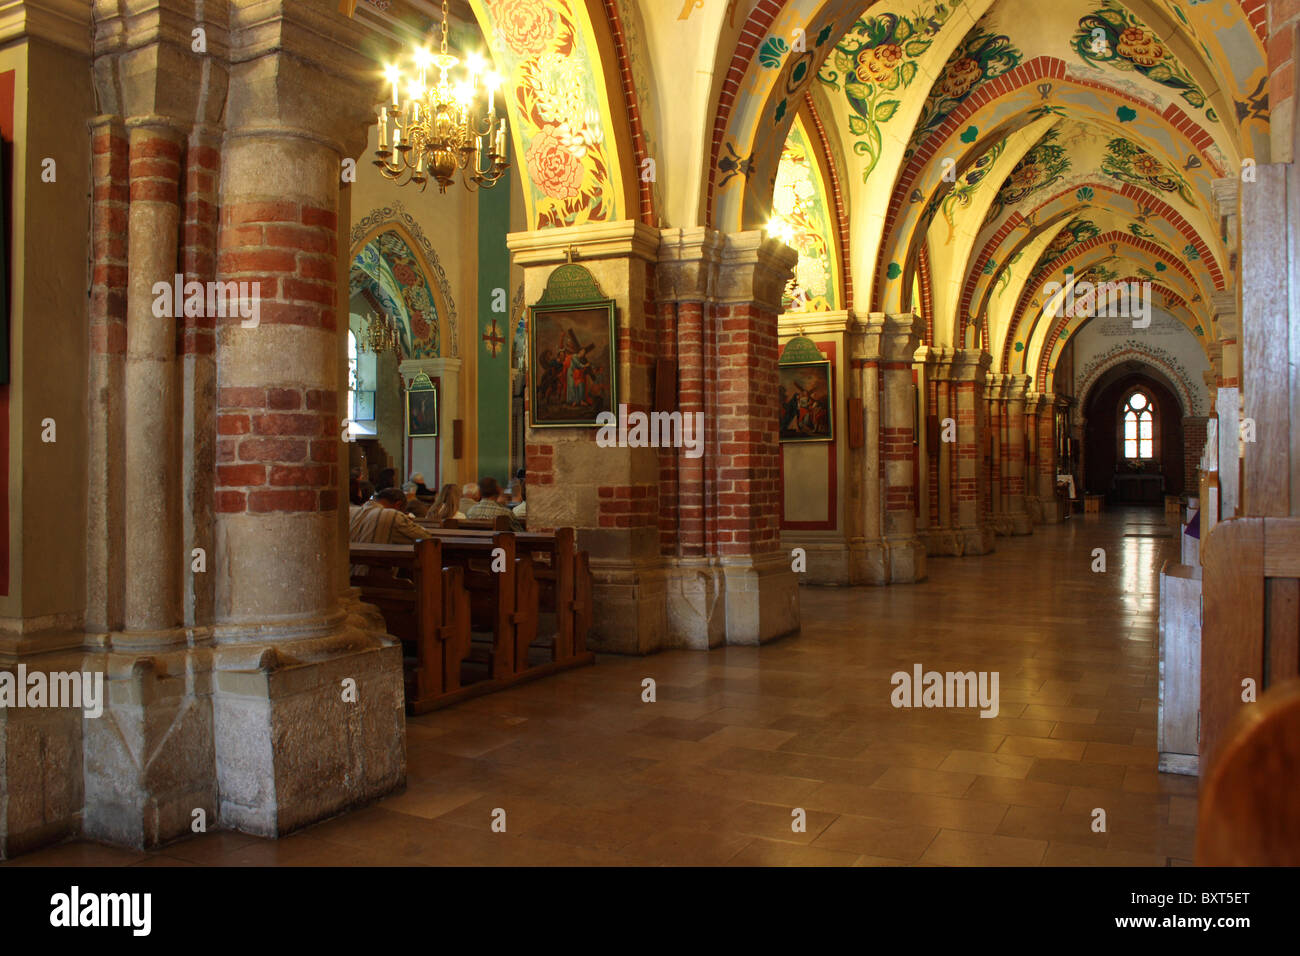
1138,423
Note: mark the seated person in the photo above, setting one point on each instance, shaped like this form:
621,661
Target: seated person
365,491
469,497
414,506
421,489
489,507
382,520
447,504
521,496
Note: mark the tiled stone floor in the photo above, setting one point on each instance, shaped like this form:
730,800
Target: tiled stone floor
709,774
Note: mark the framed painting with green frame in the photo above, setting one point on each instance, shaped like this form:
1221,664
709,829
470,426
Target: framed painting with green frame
572,354
422,408
805,390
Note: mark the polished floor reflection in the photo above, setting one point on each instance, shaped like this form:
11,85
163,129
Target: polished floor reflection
582,771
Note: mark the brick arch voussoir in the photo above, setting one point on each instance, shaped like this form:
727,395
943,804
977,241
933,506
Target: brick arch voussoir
1032,72
1105,239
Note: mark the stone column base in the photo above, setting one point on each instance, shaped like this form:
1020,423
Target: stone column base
629,602
942,541
891,561
762,596
41,783
1020,522
695,604
976,540
290,750
149,759
827,561
906,559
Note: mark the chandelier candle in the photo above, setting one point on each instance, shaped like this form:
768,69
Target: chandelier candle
443,131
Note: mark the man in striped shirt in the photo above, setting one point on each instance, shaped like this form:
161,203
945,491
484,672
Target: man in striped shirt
382,520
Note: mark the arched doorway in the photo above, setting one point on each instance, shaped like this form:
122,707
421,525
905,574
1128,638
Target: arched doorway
1133,438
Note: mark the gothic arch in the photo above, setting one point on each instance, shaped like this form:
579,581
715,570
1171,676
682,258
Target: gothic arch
395,218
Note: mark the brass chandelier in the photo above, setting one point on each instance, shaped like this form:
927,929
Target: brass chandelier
435,130
380,335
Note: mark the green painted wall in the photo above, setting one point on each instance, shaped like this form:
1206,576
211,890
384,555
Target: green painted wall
494,307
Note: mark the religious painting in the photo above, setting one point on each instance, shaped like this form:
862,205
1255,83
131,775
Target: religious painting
804,391
572,364
422,408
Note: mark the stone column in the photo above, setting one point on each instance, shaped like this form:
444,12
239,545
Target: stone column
941,458
1017,509
300,96
151,611
609,495
882,354
1047,464
995,399
969,375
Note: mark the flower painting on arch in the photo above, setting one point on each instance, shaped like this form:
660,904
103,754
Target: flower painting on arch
573,364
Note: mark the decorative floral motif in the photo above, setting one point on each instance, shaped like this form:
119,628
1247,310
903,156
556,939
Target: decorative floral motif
960,77
1077,231
386,272
876,62
800,200
540,47
395,212
1130,163
1112,36
525,26
1130,349
1041,167
980,57
552,165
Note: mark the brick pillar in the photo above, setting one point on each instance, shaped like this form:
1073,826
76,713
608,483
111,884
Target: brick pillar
152,601
1014,454
969,374
761,590
883,349
285,637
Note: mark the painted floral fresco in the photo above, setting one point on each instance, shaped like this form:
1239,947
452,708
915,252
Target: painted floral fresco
542,50
800,200
874,64
1077,231
1041,167
967,185
388,271
1130,163
981,56
1112,36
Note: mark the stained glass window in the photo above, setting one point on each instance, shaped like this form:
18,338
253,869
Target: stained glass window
1139,427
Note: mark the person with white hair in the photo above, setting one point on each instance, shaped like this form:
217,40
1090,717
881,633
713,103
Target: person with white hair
470,496
421,489
414,506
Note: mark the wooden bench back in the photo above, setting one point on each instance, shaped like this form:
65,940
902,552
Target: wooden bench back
499,523
1249,812
1251,623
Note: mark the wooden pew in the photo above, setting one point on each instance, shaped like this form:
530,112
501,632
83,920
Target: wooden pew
502,594
430,610
1249,814
499,523
564,577
1251,628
